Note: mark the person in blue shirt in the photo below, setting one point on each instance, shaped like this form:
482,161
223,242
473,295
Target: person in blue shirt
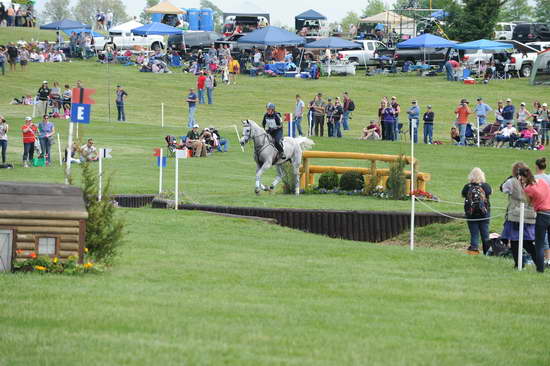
414,115
508,111
192,100
482,110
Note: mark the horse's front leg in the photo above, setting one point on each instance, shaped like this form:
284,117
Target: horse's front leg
296,169
259,172
278,178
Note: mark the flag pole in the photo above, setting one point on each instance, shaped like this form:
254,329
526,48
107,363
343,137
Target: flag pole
59,149
176,192
160,171
413,198
69,147
238,137
100,189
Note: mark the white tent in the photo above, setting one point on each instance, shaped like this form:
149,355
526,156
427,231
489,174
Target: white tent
125,27
388,17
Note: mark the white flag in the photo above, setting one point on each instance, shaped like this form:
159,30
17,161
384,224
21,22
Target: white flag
181,154
105,153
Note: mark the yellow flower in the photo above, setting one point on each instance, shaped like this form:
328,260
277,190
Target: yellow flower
55,260
85,250
88,265
40,268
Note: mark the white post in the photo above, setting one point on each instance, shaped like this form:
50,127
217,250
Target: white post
162,115
100,188
176,192
413,198
69,147
77,130
477,131
59,149
238,137
520,245
33,107
160,171
290,125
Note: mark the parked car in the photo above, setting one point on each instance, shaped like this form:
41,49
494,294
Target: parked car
193,40
433,56
539,46
366,52
531,32
504,31
127,40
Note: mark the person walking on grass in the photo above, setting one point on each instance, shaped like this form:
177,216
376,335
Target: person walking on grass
462,112
192,102
46,130
538,193
201,85
4,128
428,119
298,113
29,131
121,96
414,115
477,209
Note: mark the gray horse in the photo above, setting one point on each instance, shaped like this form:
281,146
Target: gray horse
265,154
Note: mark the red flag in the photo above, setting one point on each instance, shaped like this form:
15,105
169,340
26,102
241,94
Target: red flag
287,117
156,152
82,96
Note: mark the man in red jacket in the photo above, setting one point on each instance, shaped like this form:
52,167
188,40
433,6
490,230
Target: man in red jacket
201,81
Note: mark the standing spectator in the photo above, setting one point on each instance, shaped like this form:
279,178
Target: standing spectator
522,116
298,113
318,106
192,102
538,192
24,56
66,99
329,110
210,84
46,130
537,107
482,110
201,81
348,107
13,53
88,152
498,113
428,119
512,187
3,138
29,130
337,117
43,95
55,98
463,111
3,59
388,121
11,16
234,69
257,58
544,117
121,96
414,117
477,208
396,125
508,111
109,18
541,174
273,125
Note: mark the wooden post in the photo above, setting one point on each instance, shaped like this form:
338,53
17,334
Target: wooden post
306,171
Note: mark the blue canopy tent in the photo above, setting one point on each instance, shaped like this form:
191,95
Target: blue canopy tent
484,44
82,30
272,36
426,40
65,24
333,43
439,14
156,28
310,15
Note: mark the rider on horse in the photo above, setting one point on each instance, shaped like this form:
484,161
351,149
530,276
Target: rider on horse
273,125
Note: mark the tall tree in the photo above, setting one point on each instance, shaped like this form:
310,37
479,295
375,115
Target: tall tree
146,17
350,18
86,10
542,11
374,7
515,10
476,19
55,10
218,13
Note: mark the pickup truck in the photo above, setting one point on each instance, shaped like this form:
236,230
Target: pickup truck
127,40
366,52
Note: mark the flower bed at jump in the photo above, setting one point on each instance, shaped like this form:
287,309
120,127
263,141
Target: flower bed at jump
44,264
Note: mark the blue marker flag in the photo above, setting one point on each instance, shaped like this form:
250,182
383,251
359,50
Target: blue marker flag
163,162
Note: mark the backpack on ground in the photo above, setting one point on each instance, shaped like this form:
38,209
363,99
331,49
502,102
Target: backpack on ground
475,204
351,106
497,248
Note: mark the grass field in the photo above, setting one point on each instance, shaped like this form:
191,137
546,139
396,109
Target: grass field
192,288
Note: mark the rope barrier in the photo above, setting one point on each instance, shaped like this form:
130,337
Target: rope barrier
455,217
462,203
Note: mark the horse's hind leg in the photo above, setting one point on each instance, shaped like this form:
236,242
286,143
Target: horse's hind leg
259,172
296,167
278,178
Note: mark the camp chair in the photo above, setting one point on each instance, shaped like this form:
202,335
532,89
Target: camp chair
487,136
471,135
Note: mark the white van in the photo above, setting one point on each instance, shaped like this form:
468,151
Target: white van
504,31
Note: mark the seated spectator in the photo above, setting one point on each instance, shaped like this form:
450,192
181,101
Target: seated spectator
88,152
507,134
372,131
195,143
74,150
455,136
222,144
527,137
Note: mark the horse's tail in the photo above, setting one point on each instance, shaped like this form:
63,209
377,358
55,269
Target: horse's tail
304,142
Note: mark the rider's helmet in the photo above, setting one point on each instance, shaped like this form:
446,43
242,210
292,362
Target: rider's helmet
270,106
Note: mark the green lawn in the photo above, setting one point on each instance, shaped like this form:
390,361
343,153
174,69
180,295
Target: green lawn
197,289
14,34
193,288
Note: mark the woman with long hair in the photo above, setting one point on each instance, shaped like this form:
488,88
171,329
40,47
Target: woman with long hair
477,208
538,192
513,189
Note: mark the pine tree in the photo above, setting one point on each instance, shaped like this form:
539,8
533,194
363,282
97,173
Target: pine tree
516,10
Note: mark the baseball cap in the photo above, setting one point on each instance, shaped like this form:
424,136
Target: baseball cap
522,103
508,100
28,119
195,126
544,105
413,101
45,82
480,98
428,106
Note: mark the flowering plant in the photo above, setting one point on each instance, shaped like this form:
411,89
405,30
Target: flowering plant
422,195
44,264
